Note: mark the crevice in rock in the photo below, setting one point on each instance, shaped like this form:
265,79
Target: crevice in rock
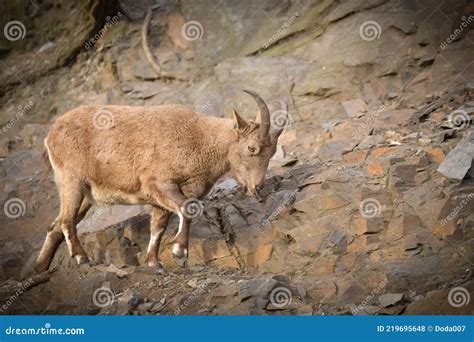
229,234
354,12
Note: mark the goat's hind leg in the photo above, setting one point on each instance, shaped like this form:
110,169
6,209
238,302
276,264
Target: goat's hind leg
54,237
72,211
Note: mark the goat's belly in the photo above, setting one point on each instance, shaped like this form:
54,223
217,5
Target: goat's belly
106,197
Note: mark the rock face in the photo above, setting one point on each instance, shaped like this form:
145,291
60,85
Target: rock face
368,205
39,56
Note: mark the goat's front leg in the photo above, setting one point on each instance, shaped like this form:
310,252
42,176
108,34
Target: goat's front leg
181,240
171,197
158,225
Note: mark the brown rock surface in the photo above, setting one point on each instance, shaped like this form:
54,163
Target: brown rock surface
355,216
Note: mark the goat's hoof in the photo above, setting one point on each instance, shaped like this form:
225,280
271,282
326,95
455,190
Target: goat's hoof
180,255
81,259
155,264
160,269
180,261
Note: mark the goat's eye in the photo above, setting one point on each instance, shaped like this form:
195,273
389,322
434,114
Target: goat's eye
251,149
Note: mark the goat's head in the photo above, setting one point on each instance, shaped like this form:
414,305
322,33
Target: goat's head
256,144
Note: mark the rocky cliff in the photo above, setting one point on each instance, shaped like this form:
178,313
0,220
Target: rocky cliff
368,204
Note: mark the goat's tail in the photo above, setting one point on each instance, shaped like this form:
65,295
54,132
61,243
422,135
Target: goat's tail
47,162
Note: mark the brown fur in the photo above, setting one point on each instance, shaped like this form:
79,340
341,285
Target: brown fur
150,155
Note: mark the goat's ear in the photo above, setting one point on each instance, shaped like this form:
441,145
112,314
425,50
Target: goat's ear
239,122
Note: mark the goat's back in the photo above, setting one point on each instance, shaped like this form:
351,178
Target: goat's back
114,144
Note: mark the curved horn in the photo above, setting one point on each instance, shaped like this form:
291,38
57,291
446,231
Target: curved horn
263,114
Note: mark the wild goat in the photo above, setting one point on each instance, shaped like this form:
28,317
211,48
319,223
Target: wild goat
142,155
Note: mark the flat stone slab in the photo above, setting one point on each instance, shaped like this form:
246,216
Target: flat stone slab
459,160
389,299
